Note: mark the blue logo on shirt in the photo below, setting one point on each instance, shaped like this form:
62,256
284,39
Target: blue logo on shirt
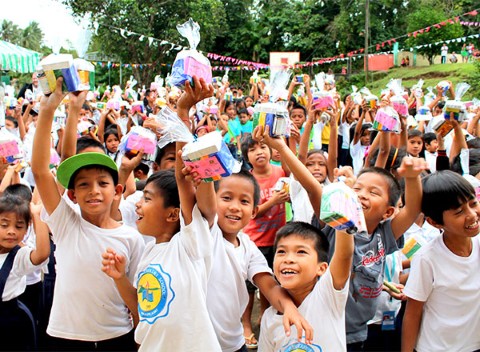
154,293
301,347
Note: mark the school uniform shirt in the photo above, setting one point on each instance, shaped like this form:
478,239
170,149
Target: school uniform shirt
227,295
17,280
357,152
366,281
450,287
301,206
233,132
262,230
431,159
87,305
323,308
171,282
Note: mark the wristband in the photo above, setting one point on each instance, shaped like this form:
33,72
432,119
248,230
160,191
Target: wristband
441,153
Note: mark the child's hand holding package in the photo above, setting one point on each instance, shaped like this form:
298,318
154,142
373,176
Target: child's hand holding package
51,102
262,135
412,167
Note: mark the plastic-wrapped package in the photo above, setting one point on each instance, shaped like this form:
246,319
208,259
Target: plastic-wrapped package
254,78
54,159
54,66
10,147
139,138
322,100
189,63
398,101
137,106
171,128
228,95
423,113
387,120
417,88
341,208
210,157
441,126
320,81
456,106
430,96
86,73
272,115
283,184
113,104
370,99
356,96
445,86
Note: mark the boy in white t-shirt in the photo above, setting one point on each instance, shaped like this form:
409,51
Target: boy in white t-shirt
319,290
87,311
443,288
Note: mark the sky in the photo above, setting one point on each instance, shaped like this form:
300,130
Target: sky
55,19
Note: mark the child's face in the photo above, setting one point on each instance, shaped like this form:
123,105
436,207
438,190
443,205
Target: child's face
94,191
258,155
112,143
317,165
12,230
235,204
432,146
414,146
248,102
296,265
365,138
231,111
244,118
9,125
168,159
202,132
152,214
298,117
373,192
463,221
276,155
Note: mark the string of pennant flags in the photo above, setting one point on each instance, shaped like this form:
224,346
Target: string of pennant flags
222,62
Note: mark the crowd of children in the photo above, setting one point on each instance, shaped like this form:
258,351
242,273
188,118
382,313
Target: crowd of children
144,254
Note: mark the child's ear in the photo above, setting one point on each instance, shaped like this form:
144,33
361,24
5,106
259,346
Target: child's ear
433,223
174,215
71,195
254,212
321,268
389,212
118,190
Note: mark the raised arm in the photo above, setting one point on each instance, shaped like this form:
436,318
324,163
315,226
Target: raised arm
189,98
341,263
45,182
333,141
42,244
410,169
358,128
459,141
69,143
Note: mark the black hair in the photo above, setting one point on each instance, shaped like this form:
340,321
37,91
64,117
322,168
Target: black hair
228,103
473,162
242,111
247,143
394,160
240,104
429,137
394,189
88,142
19,190
164,181
444,190
161,153
143,168
441,104
245,174
12,119
415,133
110,130
114,174
307,232
300,107
17,205
87,107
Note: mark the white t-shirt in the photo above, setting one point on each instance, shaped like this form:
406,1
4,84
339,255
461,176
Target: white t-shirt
171,283
86,304
30,240
301,206
323,308
227,295
357,152
444,50
17,280
450,287
431,159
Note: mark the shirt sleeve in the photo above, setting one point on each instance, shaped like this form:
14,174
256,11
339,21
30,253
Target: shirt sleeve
420,281
61,220
388,237
22,263
256,262
336,299
196,237
136,253
265,342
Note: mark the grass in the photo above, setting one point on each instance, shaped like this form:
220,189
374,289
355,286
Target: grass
430,74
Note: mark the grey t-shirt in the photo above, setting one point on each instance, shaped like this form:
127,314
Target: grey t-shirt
367,276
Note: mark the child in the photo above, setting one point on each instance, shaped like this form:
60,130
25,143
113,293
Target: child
16,262
171,279
97,318
444,283
431,146
319,290
415,143
112,141
378,192
360,143
246,124
236,259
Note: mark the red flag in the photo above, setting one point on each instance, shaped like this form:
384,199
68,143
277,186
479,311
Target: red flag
427,29
473,13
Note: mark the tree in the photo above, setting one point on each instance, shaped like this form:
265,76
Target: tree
10,32
428,13
32,37
151,18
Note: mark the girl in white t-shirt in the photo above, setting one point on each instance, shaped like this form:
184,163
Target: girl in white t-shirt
443,288
168,301
16,262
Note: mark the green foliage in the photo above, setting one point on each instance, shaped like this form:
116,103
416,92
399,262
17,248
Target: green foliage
430,13
31,37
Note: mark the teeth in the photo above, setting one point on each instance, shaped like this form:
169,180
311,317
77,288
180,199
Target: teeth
288,272
231,217
472,225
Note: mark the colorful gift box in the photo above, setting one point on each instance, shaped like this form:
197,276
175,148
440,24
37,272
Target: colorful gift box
322,100
270,114
454,106
137,106
210,157
341,208
86,73
189,63
139,138
441,126
113,104
400,105
411,247
386,120
61,65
